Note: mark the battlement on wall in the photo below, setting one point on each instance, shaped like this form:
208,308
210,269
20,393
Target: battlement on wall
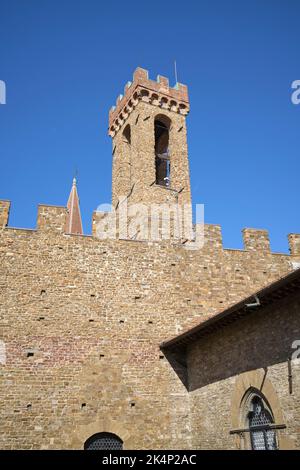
52,219
254,240
49,218
4,213
157,93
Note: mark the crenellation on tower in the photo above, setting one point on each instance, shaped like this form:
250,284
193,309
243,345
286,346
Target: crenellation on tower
158,93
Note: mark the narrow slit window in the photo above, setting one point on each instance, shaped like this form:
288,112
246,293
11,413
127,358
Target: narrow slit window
127,135
162,154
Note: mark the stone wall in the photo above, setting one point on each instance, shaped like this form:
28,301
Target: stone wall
252,352
134,163
82,320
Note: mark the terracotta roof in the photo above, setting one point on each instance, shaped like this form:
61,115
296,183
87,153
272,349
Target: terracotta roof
282,288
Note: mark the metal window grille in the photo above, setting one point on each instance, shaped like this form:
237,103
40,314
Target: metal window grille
104,441
260,419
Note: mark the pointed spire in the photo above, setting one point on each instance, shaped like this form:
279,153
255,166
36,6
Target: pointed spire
73,222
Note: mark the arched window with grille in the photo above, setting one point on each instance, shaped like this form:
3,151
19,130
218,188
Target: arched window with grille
104,441
261,421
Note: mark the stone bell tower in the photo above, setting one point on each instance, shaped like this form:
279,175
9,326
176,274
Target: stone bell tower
148,130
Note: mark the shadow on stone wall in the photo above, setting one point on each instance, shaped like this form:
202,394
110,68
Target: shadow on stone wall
262,339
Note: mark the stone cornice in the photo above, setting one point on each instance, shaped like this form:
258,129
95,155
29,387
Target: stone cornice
158,93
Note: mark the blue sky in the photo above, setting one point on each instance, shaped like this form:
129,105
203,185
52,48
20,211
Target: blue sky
64,63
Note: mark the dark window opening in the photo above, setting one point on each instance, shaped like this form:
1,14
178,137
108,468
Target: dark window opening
162,155
127,134
103,441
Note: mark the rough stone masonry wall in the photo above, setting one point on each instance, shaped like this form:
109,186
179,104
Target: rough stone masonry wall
82,320
134,173
252,352
134,164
